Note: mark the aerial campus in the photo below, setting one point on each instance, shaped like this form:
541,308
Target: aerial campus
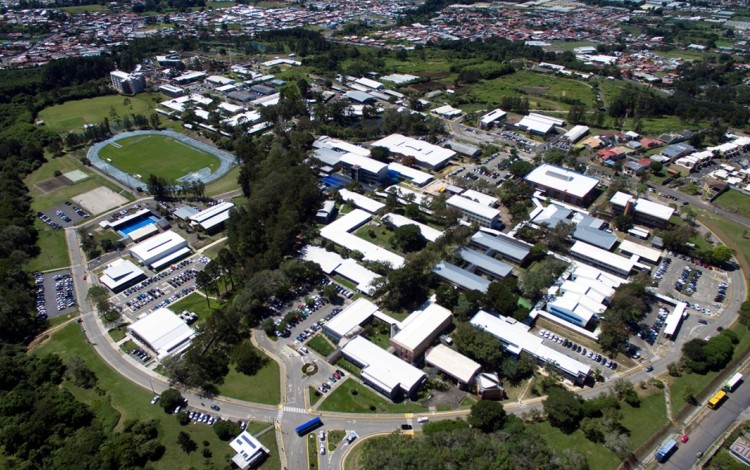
344,235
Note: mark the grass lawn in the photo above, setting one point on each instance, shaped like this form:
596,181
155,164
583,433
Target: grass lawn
124,400
342,399
597,455
734,201
320,345
382,236
543,90
312,451
345,282
378,332
467,402
53,249
53,322
314,395
158,154
731,233
273,461
195,303
224,184
263,387
334,438
214,250
118,333
220,4
646,419
71,116
348,366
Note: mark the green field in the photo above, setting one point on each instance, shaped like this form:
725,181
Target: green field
342,399
542,90
734,201
159,155
320,345
646,419
597,455
224,184
53,249
124,400
263,387
71,116
195,303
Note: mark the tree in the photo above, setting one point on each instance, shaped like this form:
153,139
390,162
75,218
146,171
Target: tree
79,373
563,409
247,359
656,167
170,399
520,168
478,345
187,444
408,238
689,395
447,296
721,255
623,222
330,293
500,298
226,429
381,154
487,416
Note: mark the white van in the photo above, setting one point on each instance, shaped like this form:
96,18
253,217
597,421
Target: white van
423,419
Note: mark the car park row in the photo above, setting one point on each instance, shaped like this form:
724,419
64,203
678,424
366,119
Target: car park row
64,296
594,356
332,379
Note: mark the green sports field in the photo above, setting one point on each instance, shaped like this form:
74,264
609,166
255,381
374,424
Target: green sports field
71,116
159,155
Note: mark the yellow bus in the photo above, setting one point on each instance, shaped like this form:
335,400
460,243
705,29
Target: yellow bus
716,400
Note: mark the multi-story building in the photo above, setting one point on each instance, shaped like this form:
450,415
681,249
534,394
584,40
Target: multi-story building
128,83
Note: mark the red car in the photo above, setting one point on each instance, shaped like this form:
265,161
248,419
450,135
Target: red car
684,438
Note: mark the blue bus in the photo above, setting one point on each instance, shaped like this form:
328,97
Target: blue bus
314,423
663,454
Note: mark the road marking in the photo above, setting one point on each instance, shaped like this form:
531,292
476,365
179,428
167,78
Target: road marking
295,409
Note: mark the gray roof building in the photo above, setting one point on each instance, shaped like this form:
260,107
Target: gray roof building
487,264
461,277
241,96
506,246
360,97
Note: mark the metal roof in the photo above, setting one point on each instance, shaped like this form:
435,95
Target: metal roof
503,244
461,277
484,262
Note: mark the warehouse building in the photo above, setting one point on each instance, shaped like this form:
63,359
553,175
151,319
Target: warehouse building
562,184
504,245
602,259
515,338
160,250
121,274
575,134
163,332
452,363
426,154
212,218
249,452
492,118
460,277
419,330
383,371
474,211
539,124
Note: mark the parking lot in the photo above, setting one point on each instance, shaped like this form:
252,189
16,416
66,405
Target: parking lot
704,288
162,289
489,170
55,295
578,352
63,215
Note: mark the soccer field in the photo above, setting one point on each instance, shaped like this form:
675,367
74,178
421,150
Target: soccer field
159,155
71,116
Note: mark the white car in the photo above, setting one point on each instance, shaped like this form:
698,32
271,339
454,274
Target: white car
322,449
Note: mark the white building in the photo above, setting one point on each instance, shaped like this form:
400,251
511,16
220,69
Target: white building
332,263
248,450
363,202
160,250
492,117
643,211
121,274
426,154
212,218
539,123
602,259
515,337
563,184
349,319
485,216
163,332
484,199
383,371
419,330
397,220
575,134
338,232
419,178
452,363
128,83
447,111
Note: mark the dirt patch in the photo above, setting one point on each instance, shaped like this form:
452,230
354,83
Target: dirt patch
99,200
53,184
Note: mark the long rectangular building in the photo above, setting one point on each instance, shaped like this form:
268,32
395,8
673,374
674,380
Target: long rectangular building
397,220
419,330
474,211
563,184
602,259
121,274
160,249
485,264
426,154
338,232
383,371
506,246
452,363
516,338
212,218
360,311
460,277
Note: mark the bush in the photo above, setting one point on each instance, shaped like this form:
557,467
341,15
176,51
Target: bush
183,418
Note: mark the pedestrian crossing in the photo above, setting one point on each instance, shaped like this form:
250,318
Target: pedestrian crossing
294,409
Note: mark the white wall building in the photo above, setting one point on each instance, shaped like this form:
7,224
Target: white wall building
121,274
426,154
161,249
249,451
163,332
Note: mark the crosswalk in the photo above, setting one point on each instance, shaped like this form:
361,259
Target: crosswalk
294,409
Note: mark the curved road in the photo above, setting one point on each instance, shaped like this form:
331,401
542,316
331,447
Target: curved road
295,408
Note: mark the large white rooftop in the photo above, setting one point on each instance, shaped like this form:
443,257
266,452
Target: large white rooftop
647,253
363,202
351,317
654,209
120,272
429,233
467,205
366,163
338,232
248,450
339,145
382,368
213,215
424,152
157,245
331,262
420,178
617,262
165,332
452,363
418,326
484,199
562,180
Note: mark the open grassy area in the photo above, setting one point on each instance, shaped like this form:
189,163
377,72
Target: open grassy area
380,236
53,249
347,365
312,451
71,116
334,438
195,303
159,155
542,90
213,252
378,332
118,333
731,233
263,387
313,395
597,455
124,400
345,400
320,345
734,201
224,184
646,419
